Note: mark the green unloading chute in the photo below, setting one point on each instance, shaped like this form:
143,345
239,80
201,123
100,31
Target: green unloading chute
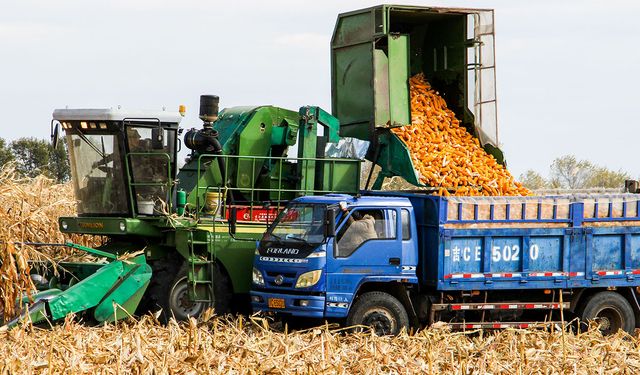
375,51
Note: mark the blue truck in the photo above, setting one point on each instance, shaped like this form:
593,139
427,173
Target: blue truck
400,260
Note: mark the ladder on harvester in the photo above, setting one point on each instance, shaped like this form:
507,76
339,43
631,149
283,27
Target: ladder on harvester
200,274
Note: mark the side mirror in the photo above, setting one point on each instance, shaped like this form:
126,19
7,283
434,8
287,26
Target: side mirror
55,133
233,219
330,223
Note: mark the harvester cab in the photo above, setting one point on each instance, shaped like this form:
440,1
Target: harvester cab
123,163
375,51
123,168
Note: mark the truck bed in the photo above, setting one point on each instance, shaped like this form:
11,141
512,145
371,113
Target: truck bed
572,241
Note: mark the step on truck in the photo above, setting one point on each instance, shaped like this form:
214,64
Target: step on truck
402,260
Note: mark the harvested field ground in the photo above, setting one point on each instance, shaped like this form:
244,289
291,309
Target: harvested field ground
246,347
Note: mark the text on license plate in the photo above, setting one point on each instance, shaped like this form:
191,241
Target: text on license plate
276,303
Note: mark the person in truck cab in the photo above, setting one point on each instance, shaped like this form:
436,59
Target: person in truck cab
358,229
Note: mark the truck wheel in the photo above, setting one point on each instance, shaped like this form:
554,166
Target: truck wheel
380,311
611,311
179,305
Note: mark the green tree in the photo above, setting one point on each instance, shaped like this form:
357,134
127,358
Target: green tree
567,172
59,168
31,154
5,153
533,180
36,156
602,177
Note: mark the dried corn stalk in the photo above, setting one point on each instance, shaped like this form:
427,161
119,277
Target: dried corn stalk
30,208
240,346
14,278
445,154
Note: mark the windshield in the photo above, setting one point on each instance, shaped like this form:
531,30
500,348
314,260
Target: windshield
98,178
300,222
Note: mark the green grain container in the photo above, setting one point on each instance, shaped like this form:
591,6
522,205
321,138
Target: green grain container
375,51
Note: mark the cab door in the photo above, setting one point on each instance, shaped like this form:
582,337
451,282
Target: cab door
367,244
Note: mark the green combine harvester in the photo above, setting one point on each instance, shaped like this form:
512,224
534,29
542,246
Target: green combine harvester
182,239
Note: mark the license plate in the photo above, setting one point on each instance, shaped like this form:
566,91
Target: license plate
276,303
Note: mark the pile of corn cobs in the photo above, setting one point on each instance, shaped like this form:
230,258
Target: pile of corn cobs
445,155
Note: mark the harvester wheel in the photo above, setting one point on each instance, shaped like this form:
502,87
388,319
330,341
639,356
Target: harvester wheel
169,282
156,297
181,307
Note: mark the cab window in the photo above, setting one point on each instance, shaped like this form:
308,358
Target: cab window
406,224
364,225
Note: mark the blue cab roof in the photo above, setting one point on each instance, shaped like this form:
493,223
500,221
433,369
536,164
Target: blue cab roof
369,200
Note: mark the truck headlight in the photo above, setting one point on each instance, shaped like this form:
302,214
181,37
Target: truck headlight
308,279
257,277
64,225
317,254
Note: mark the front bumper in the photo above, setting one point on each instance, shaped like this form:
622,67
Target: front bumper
292,304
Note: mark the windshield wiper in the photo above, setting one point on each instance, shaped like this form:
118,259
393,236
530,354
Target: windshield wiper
298,239
94,147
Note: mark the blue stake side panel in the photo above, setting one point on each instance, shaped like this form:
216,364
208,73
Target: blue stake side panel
545,250
538,258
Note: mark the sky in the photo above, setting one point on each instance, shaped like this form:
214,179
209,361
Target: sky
567,71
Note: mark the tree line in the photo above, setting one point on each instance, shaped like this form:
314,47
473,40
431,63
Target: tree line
567,172
33,157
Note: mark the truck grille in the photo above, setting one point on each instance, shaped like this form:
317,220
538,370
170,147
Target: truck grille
284,274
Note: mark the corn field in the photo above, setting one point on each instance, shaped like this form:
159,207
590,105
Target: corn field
29,210
247,345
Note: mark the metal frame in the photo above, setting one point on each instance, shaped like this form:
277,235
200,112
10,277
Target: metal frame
170,184
253,190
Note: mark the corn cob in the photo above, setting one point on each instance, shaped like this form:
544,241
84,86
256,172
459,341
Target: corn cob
445,155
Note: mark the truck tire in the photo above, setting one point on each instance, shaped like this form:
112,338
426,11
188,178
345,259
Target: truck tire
380,311
178,304
611,310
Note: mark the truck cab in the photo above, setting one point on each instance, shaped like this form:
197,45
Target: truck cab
322,252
